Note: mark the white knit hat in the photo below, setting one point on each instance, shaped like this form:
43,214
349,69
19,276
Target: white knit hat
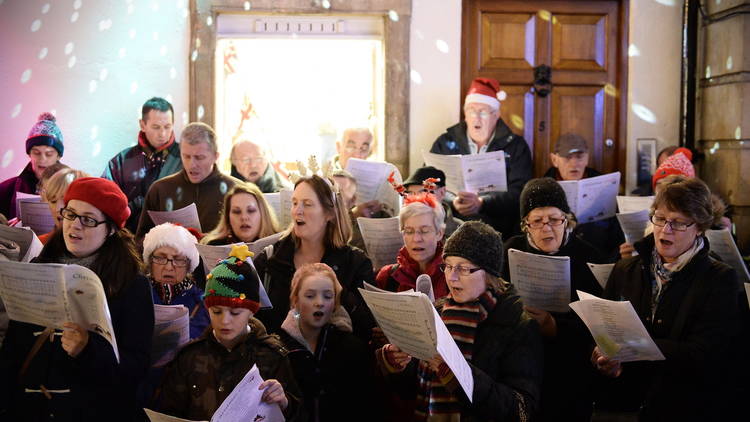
174,236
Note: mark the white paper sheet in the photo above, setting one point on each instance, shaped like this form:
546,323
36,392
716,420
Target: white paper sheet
372,183
52,294
410,321
634,225
616,328
722,243
260,244
382,239
186,216
281,203
212,254
601,272
26,240
747,291
542,281
244,404
171,331
36,215
471,173
592,199
154,416
634,203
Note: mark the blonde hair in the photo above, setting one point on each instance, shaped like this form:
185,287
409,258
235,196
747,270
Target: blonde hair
306,271
339,228
54,188
268,222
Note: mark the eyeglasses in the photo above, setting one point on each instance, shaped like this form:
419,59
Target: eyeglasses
552,222
480,114
364,149
86,221
251,160
677,226
424,231
177,262
464,271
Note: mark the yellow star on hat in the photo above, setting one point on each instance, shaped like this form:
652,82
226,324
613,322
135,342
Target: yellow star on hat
241,252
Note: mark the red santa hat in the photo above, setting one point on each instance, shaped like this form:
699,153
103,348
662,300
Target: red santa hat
485,91
677,163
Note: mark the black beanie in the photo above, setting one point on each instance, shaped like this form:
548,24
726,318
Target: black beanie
543,192
479,243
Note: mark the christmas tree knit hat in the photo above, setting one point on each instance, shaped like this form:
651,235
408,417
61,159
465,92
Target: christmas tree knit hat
234,282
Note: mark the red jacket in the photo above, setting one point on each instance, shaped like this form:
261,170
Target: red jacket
403,275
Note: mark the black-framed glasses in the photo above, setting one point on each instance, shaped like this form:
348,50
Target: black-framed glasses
552,222
464,271
178,262
675,225
86,221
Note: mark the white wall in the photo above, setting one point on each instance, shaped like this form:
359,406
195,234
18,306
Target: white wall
435,73
92,62
653,79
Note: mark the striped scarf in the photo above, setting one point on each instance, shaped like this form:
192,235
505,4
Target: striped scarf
434,401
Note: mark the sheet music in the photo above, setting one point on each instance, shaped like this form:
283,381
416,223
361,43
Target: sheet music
52,294
29,196
616,328
601,272
212,254
722,243
373,184
634,225
185,216
471,173
244,402
542,281
285,208
36,215
593,198
25,238
382,238
171,331
634,203
747,291
274,202
154,416
451,354
257,246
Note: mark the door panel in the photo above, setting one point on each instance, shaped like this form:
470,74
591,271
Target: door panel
582,42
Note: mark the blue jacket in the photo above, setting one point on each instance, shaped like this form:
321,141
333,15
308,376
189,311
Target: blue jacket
193,300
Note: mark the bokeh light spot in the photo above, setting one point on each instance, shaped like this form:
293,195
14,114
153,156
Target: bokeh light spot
16,111
442,46
194,55
71,61
74,17
610,90
644,113
393,15
666,2
185,118
94,132
25,76
36,25
708,72
517,121
42,53
416,77
7,158
223,188
209,21
105,24
730,64
738,133
103,74
200,111
97,149
69,48
247,5
92,86
633,50
45,8
77,4
168,204
172,73
544,15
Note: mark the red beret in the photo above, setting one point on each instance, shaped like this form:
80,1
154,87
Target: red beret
103,194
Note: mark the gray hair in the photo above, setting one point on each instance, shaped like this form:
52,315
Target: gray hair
198,132
416,209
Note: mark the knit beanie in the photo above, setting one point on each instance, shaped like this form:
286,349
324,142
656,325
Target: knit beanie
174,236
45,132
234,282
678,163
543,192
104,194
479,243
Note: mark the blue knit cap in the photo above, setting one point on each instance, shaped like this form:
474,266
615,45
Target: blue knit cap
45,132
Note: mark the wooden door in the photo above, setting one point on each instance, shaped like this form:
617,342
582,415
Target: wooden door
584,43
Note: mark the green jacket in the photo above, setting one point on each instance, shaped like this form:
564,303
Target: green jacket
204,373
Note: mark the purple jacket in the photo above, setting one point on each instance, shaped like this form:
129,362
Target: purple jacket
25,182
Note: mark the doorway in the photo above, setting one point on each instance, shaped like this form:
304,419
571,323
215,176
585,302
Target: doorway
563,66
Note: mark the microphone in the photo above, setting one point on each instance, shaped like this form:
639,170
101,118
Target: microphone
424,285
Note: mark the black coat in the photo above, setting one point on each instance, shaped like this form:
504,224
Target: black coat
338,379
568,375
693,326
101,389
500,209
351,265
25,182
507,364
